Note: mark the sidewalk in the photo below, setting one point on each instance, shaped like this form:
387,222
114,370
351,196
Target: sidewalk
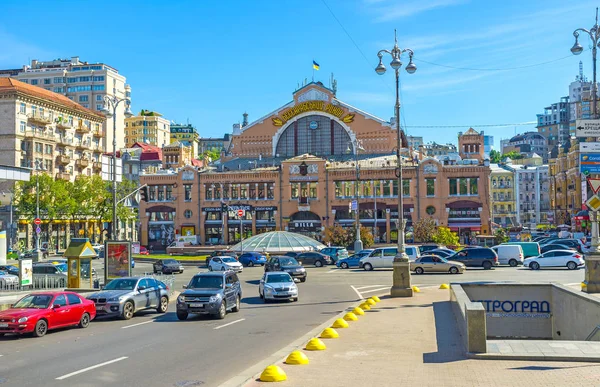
398,343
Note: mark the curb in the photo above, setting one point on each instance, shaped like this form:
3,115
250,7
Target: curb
252,372
532,357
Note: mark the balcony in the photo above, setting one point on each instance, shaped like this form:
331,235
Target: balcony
97,166
98,134
63,124
63,176
82,128
39,119
83,144
65,140
40,134
63,159
82,163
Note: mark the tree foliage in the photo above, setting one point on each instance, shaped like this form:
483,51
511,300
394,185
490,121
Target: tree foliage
212,154
514,155
424,230
495,156
444,236
339,236
501,236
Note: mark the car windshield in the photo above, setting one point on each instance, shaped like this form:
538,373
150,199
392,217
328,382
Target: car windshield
38,301
3,272
228,259
121,284
206,282
62,267
273,278
170,262
288,262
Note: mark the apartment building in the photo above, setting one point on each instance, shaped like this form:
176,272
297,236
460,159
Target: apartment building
147,127
82,82
528,143
42,128
187,135
504,205
567,198
554,122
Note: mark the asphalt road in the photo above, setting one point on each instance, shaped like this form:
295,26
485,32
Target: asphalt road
159,350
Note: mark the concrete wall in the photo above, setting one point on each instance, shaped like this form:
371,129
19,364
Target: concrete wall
470,318
515,310
575,314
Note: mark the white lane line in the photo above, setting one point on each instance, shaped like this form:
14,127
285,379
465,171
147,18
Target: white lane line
231,323
135,325
366,287
574,284
91,368
377,290
360,297
332,271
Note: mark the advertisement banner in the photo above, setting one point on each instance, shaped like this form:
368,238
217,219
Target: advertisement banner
589,163
587,128
135,247
117,259
26,272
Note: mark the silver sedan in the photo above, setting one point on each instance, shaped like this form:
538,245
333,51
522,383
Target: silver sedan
277,285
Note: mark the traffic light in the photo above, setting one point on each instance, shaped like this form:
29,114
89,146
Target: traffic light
144,194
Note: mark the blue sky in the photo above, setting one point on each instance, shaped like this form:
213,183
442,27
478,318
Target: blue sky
209,61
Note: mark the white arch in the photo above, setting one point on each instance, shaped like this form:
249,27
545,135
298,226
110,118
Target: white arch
281,130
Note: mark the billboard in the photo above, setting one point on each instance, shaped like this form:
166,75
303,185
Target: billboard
135,247
589,163
117,259
26,272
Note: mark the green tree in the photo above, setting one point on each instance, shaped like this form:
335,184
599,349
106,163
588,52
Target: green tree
336,236
501,236
514,155
365,236
424,229
495,156
212,154
444,236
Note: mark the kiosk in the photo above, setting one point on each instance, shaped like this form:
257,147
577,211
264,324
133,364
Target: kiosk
79,255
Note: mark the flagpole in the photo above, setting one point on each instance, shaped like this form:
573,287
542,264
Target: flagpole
313,78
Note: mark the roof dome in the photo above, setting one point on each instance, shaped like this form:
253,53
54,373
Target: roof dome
277,242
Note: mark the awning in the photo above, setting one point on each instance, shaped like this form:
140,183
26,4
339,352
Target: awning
472,226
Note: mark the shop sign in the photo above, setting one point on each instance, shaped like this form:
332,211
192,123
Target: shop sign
589,163
211,209
308,106
187,175
26,271
304,226
237,207
268,208
527,309
464,213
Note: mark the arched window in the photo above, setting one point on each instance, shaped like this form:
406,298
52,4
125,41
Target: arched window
316,135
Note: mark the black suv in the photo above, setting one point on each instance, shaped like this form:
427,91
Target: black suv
213,293
287,264
313,258
476,257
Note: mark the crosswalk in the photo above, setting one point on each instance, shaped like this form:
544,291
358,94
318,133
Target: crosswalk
368,290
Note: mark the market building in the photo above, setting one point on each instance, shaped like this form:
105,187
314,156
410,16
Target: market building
299,167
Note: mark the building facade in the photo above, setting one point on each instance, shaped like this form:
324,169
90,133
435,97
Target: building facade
415,142
210,143
567,188
554,122
471,145
149,128
82,82
504,205
434,149
527,144
532,191
187,135
488,145
45,130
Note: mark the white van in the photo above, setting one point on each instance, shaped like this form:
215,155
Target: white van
383,257
509,254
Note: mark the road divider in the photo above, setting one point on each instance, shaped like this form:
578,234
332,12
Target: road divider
364,306
416,289
315,344
376,299
358,311
273,373
444,286
370,302
340,323
297,358
329,333
350,317
91,368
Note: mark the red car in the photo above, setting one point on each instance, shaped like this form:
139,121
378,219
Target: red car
144,251
38,312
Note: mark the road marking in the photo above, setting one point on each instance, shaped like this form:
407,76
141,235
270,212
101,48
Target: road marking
91,368
574,284
376,290
231,323
366,287
332,271
135,325
360,297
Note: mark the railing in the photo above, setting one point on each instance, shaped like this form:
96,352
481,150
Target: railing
63,176
97,165
64,159
39,118
39,282
82,129
98,133
82,163
64,124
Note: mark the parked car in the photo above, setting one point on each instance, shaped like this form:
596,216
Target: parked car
210,293
287,264
10,269
292,254
476,257
509,254
8,280
47,271
530,249
556,258
555,246
429,247
381,257
253,258
225,263
221,253
444,253
144,251
126,296
37,313
314,258
277,285
167,266
413,252
28,254
572,244
436,264
335,253
353,260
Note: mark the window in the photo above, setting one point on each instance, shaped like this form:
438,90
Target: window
84,79
207,193
188,192
187,214
454,187
59,89
60,301
47,81
83,98
430,183
312,190
406,187
75,89
73,299
23,108
99,78
59,80
99,97
151,193
34,81
48,149
473,190
169,191
99,106
22,126
98,87
161,193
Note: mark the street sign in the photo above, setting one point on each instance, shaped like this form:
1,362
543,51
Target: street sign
594,184
589,163
240,213
349,206
37,221
354,205
38,230
593,203
589,147
587,128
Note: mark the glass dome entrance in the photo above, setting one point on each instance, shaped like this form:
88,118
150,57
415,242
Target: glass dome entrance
279,242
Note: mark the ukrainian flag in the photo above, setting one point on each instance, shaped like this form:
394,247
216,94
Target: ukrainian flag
315,65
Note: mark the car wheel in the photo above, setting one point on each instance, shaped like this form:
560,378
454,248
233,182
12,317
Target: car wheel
295,299
154,271
512,262
222,268
571,265
368,267
41,328
84,321
210,268
236,308
250,264
127,311
487,265
303,279
454,270
318,263
222,311
182,315
260,295
164,305
534,266
419,270
344,265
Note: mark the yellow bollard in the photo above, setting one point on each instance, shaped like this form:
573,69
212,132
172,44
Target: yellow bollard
273,373
444,286
416,289
376,299
583,285
350,317
315,344
358,311
370,302
329,333
364,306
296,358
340,323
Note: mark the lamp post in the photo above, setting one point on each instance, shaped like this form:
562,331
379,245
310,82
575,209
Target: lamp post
39,167
358,244
110,109
401,278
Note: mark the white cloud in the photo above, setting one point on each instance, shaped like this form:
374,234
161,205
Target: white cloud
392,10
